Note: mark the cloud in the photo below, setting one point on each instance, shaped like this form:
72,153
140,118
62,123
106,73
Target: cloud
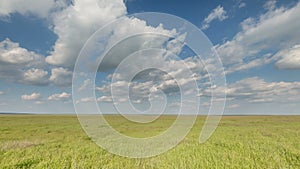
238,4
85,100
85,84
270,5
128,45
217,14
17,64
12,54
76,23
61,77
40,8
33,96
257,90
39,102
152,82
290,58
60,97
259,38
104,99
233,106
1,92
242,5
260,61
35,76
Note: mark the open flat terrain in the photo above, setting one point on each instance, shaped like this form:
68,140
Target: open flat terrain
58,141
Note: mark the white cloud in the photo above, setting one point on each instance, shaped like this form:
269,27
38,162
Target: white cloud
61,77
270,5
104,99
11,53
33,96
17,64
233,106
259,36
35,76
257,90
1,92
262,60
217,14
73,26
76,23
153,82
150,39
85,84
85,100
290,58
242,5
148,84
239,4
60,96
39,102
175,46
38,8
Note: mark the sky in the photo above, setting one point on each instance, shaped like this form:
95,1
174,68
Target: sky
257,41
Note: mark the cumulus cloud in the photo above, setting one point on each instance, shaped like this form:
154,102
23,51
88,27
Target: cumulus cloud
259,38
38,8
233,106
60,96
12,54
104,99
270,5
35,76
242,5
128,45
290,58
39,102
239,4
76,23
257,90
217,14
85,84
85,100
152,82
260,61
17,64
33,96
61,77
73,25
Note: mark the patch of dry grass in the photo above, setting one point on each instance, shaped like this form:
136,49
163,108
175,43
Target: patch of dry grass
18,144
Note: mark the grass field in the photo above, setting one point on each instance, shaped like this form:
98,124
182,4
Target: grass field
57,141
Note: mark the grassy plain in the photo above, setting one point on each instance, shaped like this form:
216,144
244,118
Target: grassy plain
57,141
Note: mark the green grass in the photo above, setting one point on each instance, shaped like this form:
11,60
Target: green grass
49,141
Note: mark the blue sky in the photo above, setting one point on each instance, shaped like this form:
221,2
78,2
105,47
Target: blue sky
257,41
